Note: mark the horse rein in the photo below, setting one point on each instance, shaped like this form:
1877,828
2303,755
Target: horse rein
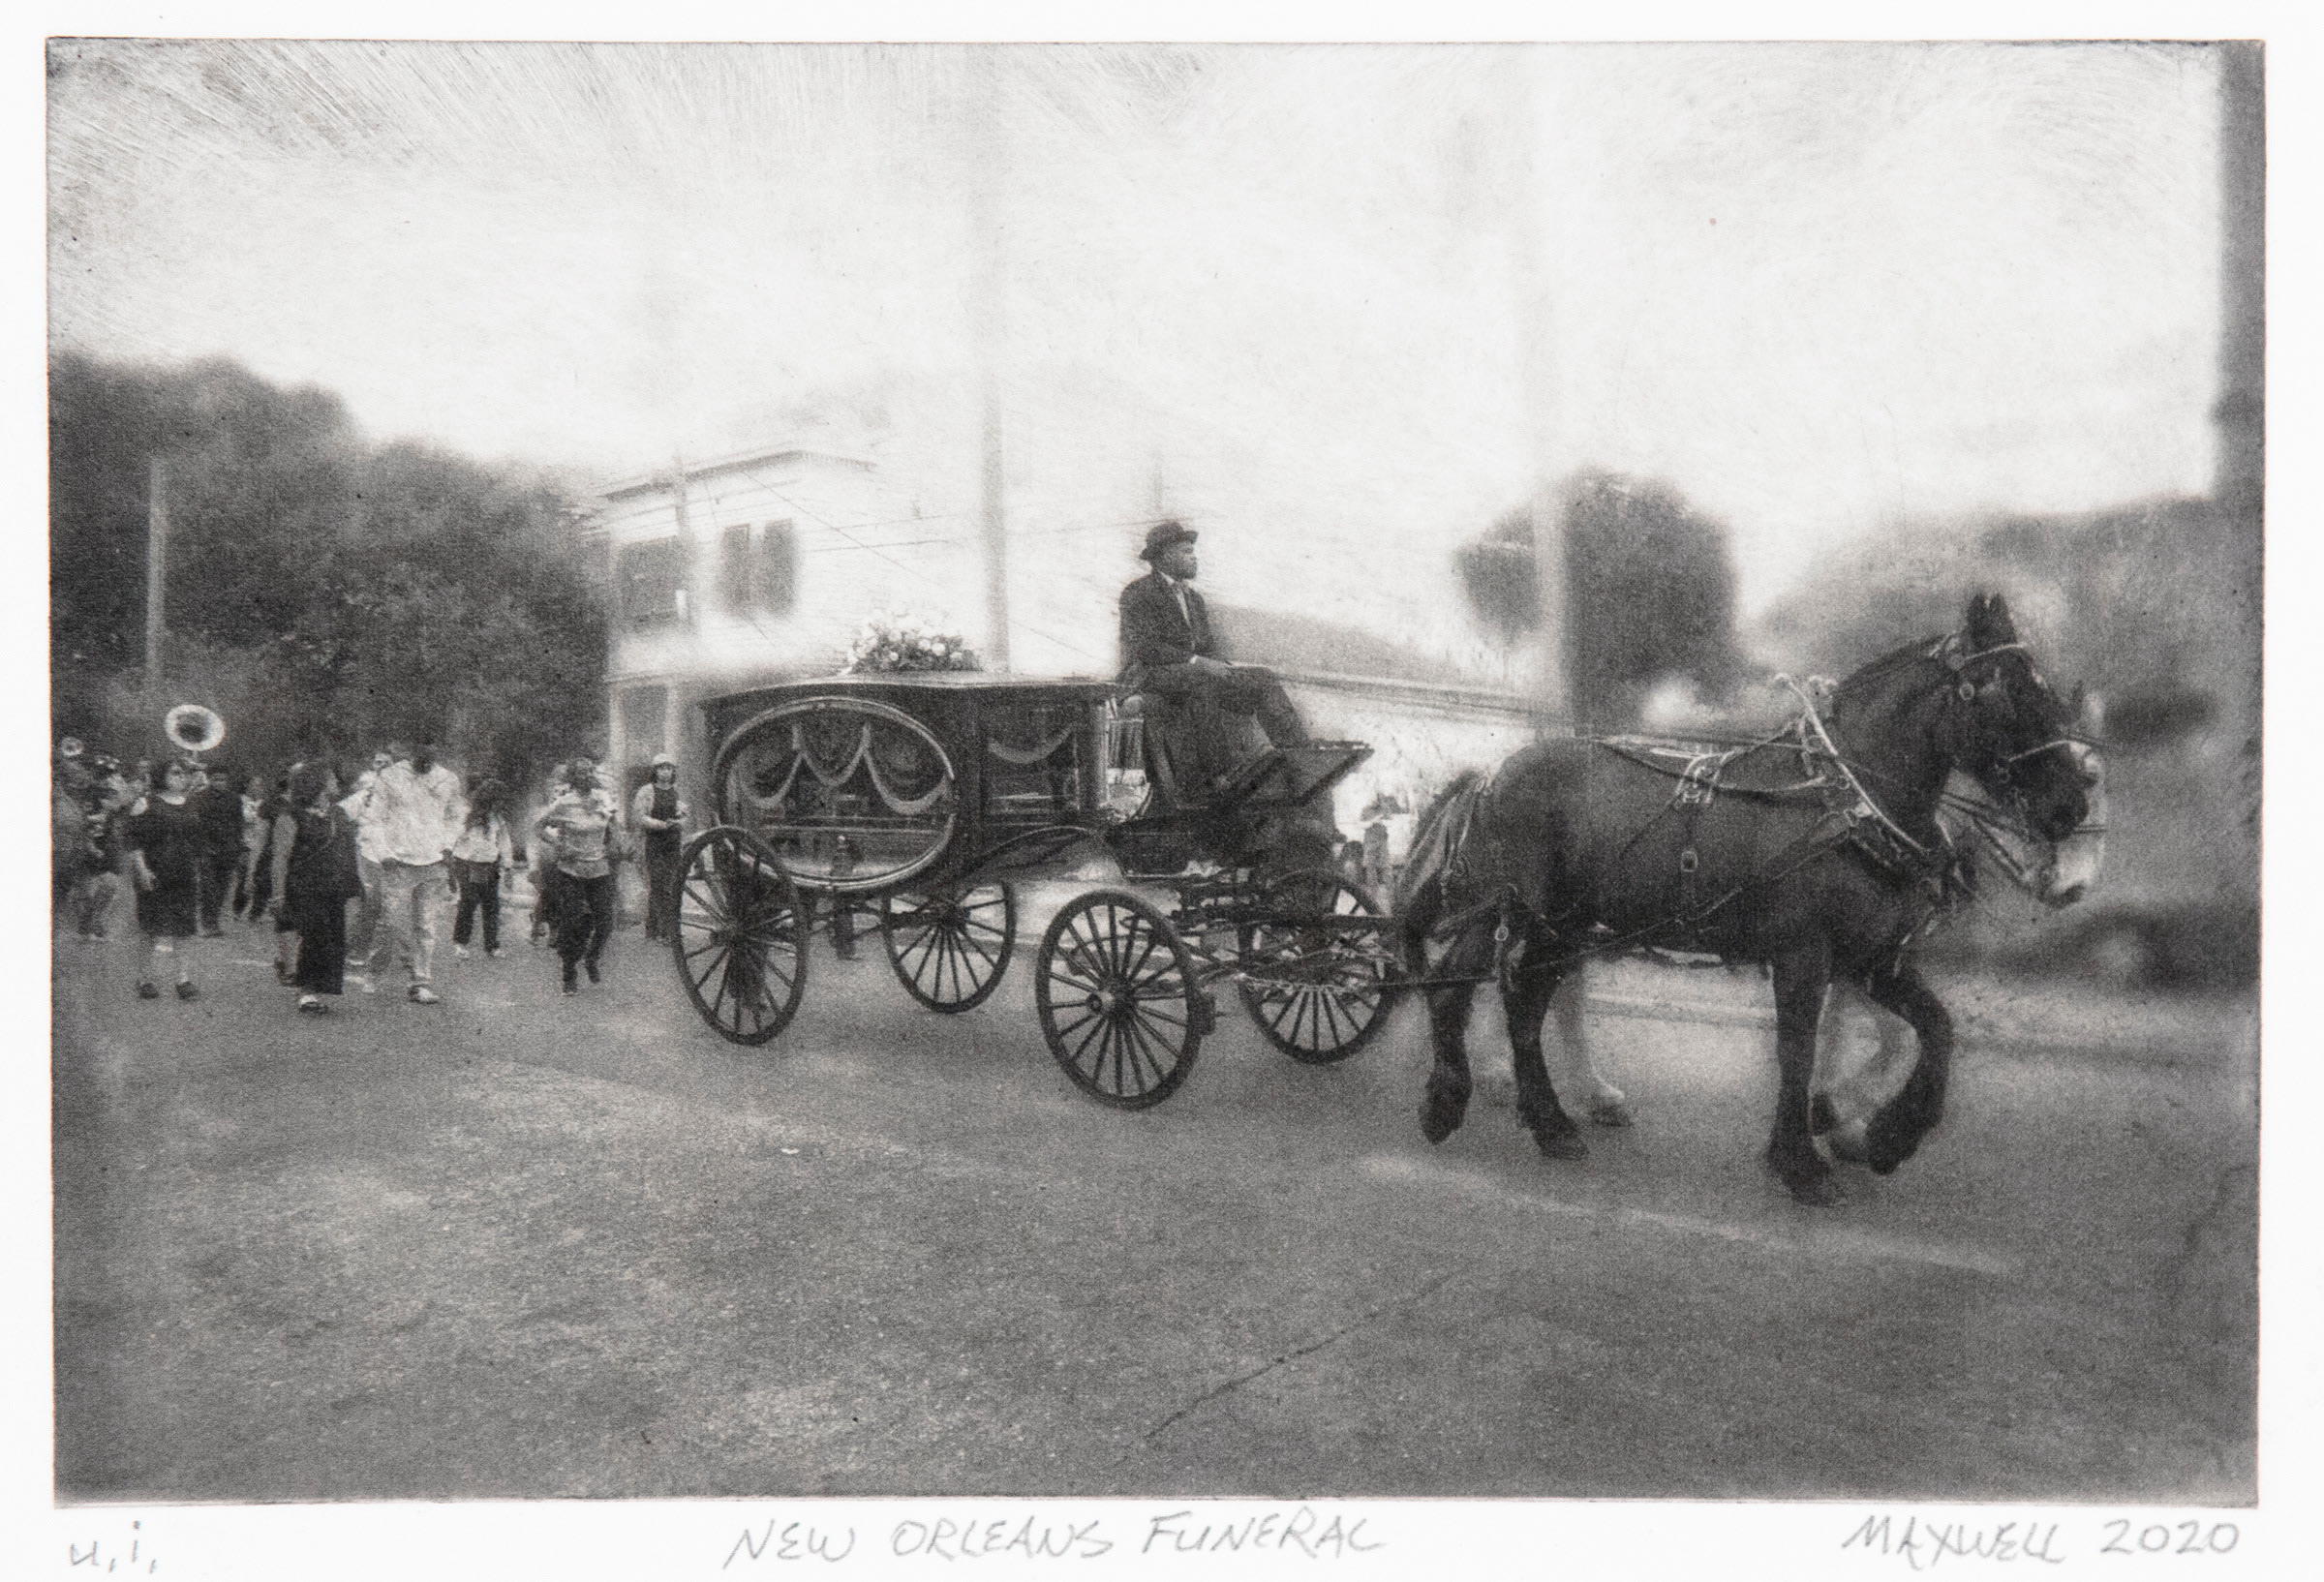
1808,718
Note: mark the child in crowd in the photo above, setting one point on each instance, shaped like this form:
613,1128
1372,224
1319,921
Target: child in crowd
480,857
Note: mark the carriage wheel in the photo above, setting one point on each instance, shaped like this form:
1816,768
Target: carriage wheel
1118,998
951,949
740,941
1318,995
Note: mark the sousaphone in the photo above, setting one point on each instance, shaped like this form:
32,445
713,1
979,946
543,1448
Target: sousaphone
193,729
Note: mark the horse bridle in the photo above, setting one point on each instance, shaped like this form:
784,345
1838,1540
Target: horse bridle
1947,652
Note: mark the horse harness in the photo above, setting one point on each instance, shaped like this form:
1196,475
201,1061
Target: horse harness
1855,822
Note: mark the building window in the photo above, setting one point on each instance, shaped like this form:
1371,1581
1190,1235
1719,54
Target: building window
759,567
650,578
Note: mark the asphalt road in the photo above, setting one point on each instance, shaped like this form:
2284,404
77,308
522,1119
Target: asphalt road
521,1245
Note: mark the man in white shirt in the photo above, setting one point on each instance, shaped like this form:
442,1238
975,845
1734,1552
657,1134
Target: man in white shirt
410,815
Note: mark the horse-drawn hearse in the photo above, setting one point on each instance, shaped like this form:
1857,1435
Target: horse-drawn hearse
931,796
1817,851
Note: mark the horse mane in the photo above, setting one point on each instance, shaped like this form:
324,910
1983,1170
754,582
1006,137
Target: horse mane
1872,671
1437,804
1427,855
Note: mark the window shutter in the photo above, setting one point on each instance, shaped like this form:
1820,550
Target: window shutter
778,558
735,569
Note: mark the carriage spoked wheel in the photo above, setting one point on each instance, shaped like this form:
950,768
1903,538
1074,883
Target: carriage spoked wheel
950,948
1118,1000
741,940
1317,994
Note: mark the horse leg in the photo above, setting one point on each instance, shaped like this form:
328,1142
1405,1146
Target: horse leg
1845,1100
1447,1099
1801,976
1525,1003
1605,1103
1900,1124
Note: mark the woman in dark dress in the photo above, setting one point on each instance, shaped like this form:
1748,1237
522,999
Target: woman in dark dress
316,876
167,842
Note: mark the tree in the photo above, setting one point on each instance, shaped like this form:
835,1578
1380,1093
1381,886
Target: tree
323,594
1649,586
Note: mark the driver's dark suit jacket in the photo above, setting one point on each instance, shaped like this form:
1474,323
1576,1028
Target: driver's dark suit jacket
1154,634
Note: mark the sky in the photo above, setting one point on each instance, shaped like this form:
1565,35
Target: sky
1820,288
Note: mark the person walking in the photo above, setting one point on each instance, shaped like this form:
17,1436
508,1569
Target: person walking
220,805
314,875
483,852
247,901
373,941
89,851
167,843
575,829
419,810
661,814
263,890
541,865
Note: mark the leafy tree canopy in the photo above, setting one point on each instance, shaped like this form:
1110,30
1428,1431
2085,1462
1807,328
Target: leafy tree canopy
1650,587
325,594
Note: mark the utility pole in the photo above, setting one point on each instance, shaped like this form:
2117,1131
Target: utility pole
157,552
988,159
1531,281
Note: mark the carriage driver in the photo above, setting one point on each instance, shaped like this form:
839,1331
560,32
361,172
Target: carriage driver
1168,647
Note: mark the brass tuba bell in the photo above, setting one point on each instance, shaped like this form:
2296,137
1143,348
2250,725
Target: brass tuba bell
193,728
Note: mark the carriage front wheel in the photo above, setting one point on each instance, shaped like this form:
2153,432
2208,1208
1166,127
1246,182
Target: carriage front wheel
1118,1001
950,949
1319,991
741,939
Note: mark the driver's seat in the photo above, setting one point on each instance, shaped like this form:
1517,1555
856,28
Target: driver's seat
1188,751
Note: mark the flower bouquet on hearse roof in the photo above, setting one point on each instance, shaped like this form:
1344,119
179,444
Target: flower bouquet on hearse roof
889,642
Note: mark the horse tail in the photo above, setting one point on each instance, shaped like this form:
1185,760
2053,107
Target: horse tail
1419,896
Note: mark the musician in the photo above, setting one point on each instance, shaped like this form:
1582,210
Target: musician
1169,649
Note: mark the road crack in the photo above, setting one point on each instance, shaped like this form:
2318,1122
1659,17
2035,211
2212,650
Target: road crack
1310,1350
2170,1280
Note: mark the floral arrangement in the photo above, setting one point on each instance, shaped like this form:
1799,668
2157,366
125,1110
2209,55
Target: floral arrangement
890,642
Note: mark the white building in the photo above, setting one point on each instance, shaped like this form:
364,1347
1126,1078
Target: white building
746,570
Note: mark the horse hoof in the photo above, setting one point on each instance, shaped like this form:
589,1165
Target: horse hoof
1563,1145
1613,1111
1440,1117
1848,1143
1884,1150
1808,1179
1820,1192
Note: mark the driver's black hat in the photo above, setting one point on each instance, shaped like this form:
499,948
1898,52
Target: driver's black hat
1162,534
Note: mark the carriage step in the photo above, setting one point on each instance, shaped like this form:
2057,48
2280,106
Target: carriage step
1203,1016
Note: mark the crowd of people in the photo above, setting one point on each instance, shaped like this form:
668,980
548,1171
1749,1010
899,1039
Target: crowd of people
400,844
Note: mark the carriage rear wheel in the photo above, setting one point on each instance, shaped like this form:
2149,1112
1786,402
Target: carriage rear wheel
1119,1002
741,940
1317,994
950,948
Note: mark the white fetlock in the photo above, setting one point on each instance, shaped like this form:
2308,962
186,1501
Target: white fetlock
1608,1107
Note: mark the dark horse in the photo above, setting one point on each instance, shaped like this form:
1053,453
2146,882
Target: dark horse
1817,852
